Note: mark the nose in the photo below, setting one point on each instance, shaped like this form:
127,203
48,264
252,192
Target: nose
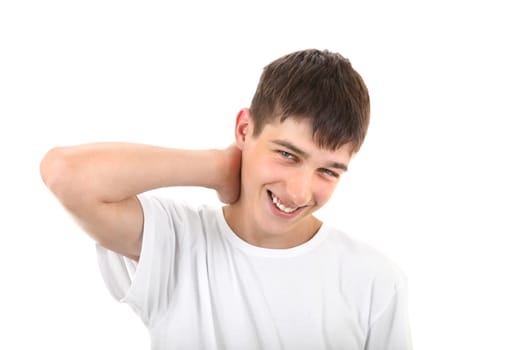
299,188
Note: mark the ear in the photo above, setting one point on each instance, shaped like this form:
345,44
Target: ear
243,126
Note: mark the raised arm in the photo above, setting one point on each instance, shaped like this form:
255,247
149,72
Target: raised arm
98,183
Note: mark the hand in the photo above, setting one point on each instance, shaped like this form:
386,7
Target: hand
229,187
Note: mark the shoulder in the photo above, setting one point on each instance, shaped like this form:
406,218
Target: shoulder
179,218
179,210
367,275
368,264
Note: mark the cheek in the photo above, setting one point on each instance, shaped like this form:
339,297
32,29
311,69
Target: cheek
256,168
248,166
258,164
323,192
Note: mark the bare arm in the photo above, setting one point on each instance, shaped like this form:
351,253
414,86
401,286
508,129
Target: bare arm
98,184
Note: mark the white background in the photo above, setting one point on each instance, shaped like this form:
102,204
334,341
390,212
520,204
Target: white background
437,186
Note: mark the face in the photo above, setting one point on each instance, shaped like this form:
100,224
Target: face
286,177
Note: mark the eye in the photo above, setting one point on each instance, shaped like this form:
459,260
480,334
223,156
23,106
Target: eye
329,173
286,155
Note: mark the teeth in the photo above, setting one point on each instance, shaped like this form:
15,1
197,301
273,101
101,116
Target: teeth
281,207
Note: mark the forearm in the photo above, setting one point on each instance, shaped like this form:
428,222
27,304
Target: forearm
111,172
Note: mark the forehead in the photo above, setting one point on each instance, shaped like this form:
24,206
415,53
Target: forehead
299,132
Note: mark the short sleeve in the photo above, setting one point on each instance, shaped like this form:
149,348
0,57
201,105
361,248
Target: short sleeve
146,286
391,329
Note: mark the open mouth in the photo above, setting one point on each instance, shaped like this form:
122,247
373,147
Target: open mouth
280,206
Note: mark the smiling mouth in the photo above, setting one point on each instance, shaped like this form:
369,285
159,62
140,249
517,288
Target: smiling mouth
280,206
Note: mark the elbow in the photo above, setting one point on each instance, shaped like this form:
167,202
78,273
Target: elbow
55,170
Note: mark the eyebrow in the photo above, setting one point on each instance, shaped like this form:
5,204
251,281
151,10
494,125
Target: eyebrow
297,150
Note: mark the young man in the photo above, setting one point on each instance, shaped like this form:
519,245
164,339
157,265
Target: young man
262,272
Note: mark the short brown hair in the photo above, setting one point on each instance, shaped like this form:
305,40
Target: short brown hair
321,86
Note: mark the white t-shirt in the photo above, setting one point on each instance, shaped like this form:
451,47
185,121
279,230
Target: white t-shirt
199,286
